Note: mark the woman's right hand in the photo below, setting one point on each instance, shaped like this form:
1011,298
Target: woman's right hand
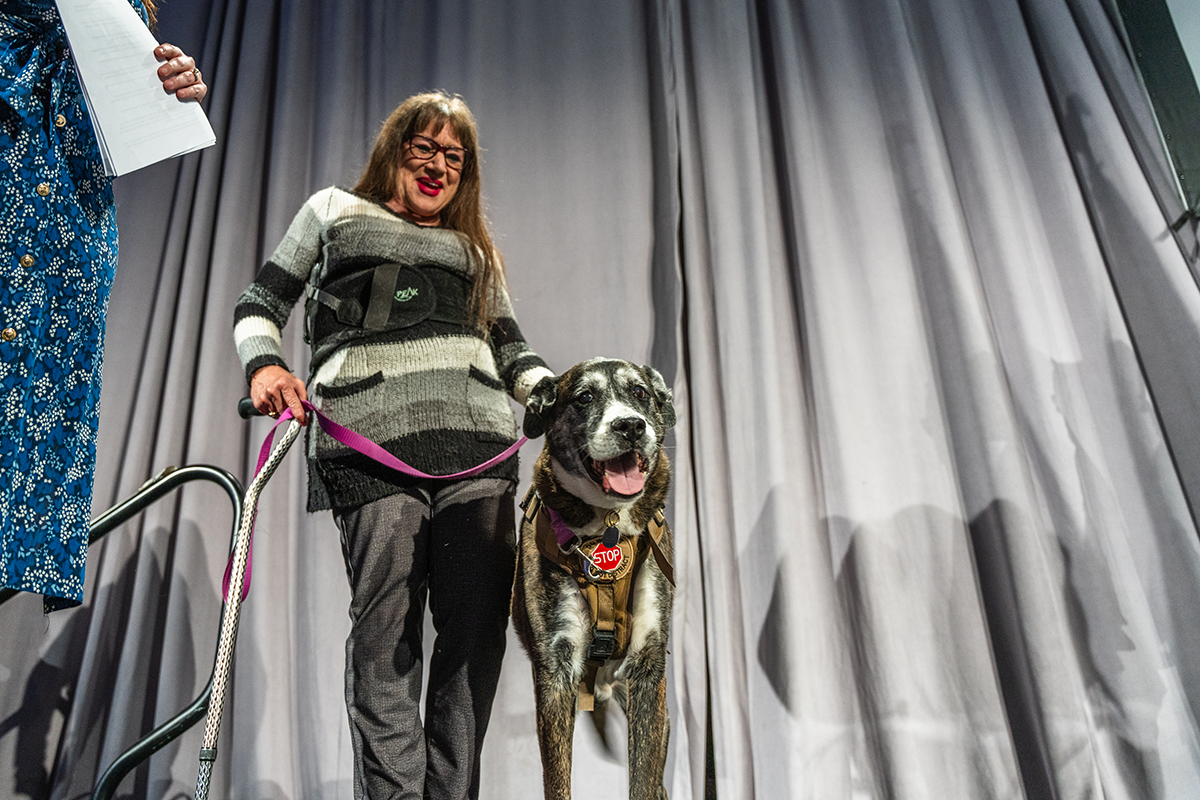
273,388
179,74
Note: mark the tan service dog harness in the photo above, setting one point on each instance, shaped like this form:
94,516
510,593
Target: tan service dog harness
607,592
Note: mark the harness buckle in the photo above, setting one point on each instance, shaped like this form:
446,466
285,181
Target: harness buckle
604,644
571,545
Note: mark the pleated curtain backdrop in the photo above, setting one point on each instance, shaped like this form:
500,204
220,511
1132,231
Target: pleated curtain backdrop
908,267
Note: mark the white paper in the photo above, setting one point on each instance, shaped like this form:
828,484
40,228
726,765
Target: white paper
136,121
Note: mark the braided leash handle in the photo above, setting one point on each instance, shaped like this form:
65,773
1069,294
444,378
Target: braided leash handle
208,748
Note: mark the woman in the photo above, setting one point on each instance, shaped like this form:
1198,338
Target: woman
59,236
414,345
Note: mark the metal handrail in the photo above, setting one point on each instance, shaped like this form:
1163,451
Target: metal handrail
153,490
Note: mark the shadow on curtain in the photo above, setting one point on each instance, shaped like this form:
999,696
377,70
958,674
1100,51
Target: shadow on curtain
908,265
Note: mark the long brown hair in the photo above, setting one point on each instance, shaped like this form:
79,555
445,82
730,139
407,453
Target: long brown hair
151,14
464,212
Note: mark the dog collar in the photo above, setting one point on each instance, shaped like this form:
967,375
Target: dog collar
568,540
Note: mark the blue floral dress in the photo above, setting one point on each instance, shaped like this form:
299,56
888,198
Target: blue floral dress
58,254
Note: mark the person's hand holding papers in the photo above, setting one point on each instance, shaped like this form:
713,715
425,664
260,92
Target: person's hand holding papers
135,121
180,75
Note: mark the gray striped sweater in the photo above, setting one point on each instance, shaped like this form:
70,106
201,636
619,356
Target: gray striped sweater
432,394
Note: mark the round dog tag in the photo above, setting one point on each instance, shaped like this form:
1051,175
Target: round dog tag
604,564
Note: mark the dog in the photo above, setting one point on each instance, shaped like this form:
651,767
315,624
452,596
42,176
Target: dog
601,479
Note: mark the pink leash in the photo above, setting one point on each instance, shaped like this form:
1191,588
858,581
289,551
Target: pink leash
368,448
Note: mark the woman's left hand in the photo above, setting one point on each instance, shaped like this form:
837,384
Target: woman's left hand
179,75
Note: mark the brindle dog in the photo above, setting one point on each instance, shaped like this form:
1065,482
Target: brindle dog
604,422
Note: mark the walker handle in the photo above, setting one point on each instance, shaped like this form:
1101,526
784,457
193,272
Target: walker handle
246,409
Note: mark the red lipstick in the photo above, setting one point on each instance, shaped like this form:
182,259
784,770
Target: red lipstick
429,186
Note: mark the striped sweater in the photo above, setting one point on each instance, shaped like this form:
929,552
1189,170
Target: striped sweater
432,394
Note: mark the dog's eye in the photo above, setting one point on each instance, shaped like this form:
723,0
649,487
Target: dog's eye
639,392
583,398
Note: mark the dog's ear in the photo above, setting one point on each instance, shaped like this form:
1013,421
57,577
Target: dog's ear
662,394
538,406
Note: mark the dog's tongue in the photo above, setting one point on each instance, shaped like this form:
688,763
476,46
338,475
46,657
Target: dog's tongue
622,475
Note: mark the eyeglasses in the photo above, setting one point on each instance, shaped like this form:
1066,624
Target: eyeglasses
424,148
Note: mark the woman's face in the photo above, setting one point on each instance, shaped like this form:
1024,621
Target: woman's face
427,178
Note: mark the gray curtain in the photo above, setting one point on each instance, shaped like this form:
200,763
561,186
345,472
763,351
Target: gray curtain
908,266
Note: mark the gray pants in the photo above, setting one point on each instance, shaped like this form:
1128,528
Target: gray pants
454,542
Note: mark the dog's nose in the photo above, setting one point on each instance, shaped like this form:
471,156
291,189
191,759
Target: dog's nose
631,428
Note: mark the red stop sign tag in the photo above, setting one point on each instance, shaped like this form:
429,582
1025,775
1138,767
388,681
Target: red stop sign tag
607,558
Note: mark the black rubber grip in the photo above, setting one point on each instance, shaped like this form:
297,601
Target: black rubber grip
246,409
